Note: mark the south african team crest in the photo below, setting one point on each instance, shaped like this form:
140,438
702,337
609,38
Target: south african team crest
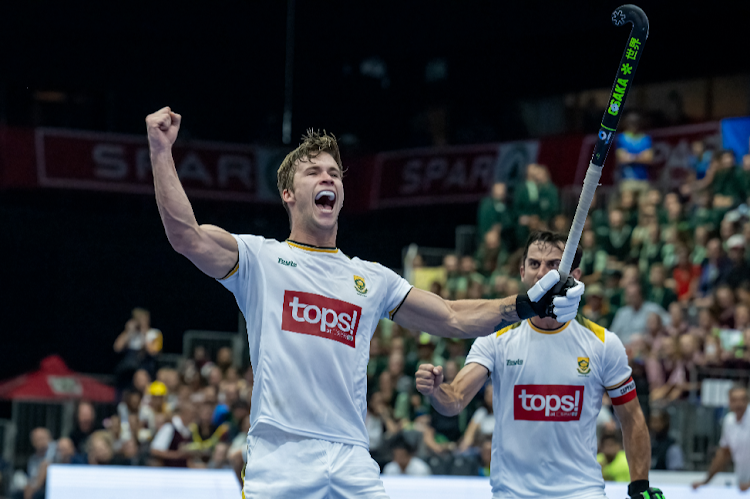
359,285
583,366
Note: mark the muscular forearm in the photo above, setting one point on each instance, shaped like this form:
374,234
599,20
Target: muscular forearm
479,314
473,318
637,447
446,400
174,207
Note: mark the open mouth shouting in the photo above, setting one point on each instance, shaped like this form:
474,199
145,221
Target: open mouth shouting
326,200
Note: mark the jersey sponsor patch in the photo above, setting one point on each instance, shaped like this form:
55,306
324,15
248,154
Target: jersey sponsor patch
316,315
547,402
623,393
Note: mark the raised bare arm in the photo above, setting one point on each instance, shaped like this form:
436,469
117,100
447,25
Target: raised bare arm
212,249
455,319
450,399
428,312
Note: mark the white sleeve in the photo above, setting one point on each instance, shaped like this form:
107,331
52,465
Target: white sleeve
675,459
392,468
479,414
163,437
397,288
418,467
724,441
616,325
483,352
615,368
248,246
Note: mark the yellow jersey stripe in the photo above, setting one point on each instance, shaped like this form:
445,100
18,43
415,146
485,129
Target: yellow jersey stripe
314,249
243,480
233,271
506,329
548,331
591,326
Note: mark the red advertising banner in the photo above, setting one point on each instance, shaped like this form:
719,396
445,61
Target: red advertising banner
462,174
98,161
446,175
671,150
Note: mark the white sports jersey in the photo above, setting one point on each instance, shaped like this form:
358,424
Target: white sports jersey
310,315
736,436
547,389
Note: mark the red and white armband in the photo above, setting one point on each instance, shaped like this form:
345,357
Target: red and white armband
623,393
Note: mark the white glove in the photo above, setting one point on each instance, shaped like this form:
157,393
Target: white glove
542,301
565,304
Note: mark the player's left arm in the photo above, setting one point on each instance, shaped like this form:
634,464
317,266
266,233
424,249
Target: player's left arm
636,439
635,436
425,311
428,312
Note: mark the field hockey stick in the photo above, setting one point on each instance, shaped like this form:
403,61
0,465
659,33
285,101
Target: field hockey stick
625,73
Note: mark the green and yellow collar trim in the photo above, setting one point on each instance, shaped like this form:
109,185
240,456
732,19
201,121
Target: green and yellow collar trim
310,247
548,331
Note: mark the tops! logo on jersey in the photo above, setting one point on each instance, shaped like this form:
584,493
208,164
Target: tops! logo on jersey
308,313
547,402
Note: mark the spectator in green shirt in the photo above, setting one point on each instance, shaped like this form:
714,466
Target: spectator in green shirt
657,291
612,459
615,239
495,212
700,239
727,181
536,196
703,212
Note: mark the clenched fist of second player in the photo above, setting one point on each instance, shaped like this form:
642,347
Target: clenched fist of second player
428,378
544,301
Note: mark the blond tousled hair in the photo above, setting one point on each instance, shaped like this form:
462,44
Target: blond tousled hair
313,143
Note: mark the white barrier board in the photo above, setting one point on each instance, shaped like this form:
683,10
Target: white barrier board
131,482
450,487
123,482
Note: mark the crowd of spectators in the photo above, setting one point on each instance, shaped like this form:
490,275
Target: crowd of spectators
668,272
196,416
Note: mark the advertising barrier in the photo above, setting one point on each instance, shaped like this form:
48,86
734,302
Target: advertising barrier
109,162
126,482
69,159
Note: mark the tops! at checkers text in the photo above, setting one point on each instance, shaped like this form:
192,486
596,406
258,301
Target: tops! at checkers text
310,314
547,389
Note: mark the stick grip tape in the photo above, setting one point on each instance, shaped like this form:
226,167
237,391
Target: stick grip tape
590,182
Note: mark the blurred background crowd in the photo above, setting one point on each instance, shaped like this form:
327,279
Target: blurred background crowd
667,271
443,99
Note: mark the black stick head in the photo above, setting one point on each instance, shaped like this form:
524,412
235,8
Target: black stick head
630,13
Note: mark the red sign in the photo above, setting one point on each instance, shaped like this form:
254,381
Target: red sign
89,160
447,175
671,151
547,402
308,313
84,160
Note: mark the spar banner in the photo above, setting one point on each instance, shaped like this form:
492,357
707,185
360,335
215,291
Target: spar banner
109,162
671,147
447,175
70,159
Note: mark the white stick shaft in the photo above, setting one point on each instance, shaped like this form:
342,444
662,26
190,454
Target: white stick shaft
593,174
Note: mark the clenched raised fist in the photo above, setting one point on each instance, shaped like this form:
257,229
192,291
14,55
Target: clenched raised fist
162,127
428,378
